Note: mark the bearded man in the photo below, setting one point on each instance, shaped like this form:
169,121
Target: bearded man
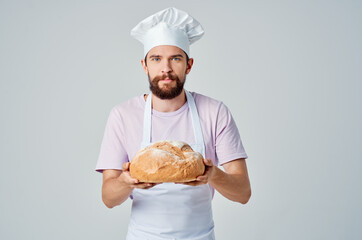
170,112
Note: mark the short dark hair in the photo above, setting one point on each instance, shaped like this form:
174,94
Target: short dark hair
187,57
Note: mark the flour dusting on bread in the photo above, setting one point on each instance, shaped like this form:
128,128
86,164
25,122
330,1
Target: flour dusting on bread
167,161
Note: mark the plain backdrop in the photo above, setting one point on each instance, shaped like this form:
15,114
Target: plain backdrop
289,71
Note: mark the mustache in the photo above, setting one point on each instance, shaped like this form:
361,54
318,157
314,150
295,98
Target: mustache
170,76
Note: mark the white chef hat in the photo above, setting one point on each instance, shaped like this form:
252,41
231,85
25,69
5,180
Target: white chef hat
168,27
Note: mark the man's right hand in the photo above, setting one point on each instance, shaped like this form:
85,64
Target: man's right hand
118,185
125,178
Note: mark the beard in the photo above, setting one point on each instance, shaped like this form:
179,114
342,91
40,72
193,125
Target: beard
166,92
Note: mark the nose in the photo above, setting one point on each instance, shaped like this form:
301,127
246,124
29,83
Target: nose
166,68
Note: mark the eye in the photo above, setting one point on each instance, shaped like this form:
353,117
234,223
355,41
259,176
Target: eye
176,59
156,59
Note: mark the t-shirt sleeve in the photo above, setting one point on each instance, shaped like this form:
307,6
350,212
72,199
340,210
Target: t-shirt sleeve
112,153
228,143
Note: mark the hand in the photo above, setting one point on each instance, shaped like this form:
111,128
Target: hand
208,174
126,178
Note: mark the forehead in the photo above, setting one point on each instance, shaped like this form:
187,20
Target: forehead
166,50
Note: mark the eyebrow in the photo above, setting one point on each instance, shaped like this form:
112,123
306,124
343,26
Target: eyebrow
177,55
153,56
157,56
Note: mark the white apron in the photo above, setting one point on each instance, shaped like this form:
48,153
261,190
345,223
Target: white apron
168,210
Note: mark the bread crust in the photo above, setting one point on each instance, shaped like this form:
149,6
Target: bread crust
167,161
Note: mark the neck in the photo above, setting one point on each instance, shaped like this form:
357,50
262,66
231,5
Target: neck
168,105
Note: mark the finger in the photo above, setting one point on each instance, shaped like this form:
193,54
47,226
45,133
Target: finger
208,162
129,180
125,166
140,185
126,177
144,185
202,178
153,185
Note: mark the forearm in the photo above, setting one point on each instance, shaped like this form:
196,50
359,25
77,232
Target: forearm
114,192
235,187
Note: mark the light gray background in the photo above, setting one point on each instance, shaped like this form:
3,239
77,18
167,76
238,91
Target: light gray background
290,71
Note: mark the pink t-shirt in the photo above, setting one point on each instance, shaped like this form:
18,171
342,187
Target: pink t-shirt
123,134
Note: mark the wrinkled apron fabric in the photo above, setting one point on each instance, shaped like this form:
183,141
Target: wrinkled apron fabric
168,210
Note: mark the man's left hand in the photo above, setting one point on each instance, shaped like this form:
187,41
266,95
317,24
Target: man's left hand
208,174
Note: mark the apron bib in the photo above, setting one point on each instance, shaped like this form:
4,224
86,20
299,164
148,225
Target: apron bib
168,210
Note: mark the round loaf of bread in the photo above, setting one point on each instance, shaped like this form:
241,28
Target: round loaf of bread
167,161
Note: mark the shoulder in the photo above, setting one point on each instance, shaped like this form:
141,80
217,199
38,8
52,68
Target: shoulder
131,105
208,103
201,99
129,108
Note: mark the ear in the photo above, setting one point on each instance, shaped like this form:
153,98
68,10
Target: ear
145,69
189,65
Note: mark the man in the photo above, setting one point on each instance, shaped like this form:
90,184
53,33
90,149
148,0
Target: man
169,112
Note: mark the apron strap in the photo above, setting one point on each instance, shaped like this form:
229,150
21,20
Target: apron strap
147,122
195,122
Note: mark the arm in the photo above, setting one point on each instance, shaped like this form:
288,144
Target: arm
118,186
233,184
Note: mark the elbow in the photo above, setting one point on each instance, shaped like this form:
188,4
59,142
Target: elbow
245,199
109,204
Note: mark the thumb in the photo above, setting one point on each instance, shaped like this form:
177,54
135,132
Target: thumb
208,162
125,166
